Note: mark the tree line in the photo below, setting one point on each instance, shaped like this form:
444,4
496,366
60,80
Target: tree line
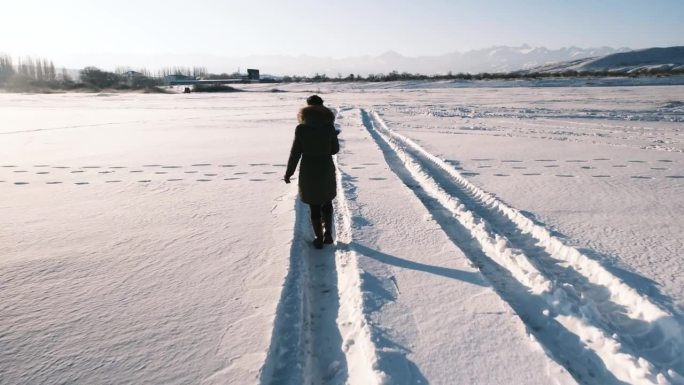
516,75
36,74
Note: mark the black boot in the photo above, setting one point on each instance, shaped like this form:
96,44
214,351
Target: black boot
328,221
318,232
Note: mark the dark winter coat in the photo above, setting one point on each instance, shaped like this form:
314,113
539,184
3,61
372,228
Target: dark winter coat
315,142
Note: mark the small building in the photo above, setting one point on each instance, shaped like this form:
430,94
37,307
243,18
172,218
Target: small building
253,74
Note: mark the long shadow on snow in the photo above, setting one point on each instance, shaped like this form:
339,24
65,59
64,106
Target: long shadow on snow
645,339
561,345
465,276
306,345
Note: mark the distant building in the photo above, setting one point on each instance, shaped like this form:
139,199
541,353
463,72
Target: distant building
178,79
253,74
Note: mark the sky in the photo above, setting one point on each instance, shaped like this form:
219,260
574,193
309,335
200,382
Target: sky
67,29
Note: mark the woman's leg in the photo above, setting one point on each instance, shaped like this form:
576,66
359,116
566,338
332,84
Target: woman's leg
327,210
317,224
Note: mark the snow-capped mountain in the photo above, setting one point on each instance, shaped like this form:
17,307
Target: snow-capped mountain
494,59
662,59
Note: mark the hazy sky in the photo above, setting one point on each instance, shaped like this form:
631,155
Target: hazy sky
56,29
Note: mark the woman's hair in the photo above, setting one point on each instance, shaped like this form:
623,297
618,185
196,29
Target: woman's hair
314,100
314,116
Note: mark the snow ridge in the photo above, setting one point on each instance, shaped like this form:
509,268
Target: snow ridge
588,320
355,327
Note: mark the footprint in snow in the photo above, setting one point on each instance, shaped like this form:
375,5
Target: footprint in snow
481,159
257,180
519,167
77,171
664,160
20,171
55,182
117,167
9,166
112,181
268,172
230,178
144,181
174,179
240,173
279,165
160,172
232,165
357,168
105,172
531,173
552,166
151,165
375,164
204,180
545,160
20,183
501,175
636,161
136,171
258,164
210,174
485,166
565,176
576,161
470,173
90,167
41,165
201,164
640,177
601,159
81,183
43,172
377,178
511,161
190,172
601,176
171,166
658,168
619,165
675,176
61,167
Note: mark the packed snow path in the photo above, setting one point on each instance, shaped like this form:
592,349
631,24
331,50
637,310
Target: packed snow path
602,330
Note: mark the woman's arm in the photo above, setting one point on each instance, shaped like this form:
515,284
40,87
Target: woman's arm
335,145
295,154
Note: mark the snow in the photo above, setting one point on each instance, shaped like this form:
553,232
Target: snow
485,234
632,61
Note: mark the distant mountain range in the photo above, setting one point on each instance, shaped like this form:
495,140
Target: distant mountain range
494,59
659,59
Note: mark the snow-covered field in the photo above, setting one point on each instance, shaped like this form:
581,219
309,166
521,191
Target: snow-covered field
484,236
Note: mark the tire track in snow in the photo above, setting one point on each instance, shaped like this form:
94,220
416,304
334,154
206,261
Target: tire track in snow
564,307
306,347
321,334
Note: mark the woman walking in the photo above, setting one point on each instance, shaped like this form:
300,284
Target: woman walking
315,142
